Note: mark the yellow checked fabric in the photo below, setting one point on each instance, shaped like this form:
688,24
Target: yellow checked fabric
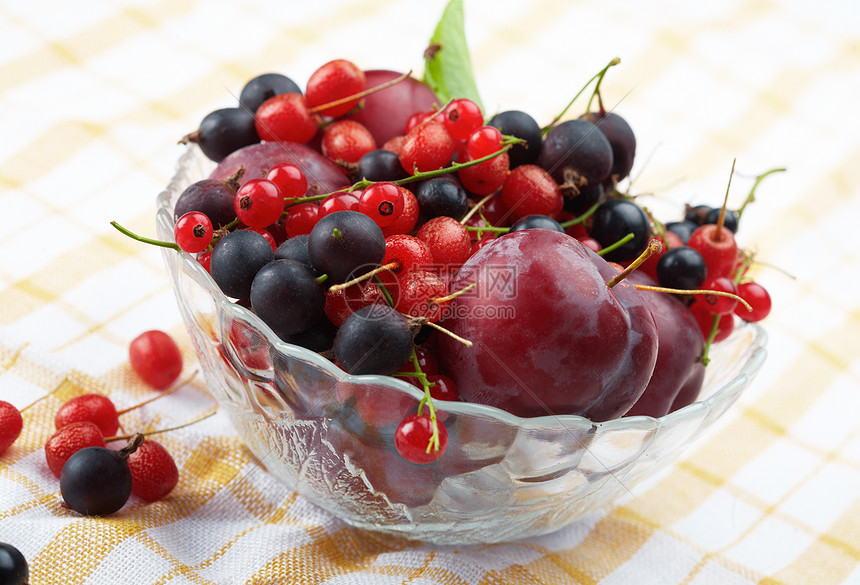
94,95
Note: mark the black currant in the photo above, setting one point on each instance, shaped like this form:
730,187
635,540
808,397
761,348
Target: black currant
682,229
523,126
285,294
681,267
578,204
224,131
373,340
13,566
730,220
380,165
697,213
441,197
577,155
264,86
318,337
96,481
236,259
295,248
345,244
536,222
613,220
621,138
210,196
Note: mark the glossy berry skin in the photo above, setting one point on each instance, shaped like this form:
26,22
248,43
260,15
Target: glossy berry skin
683,229
156,358
259,203
681,267
287,297
68,440
613,220
717,247
380,165
718,304
342,303
373,340
577,155
730,220
96,481
347,141
338,202
758,298
530,190
462,117
416,291
620,136
95,408
289,179
262,87
483,142
413,436
294,249
285,117
225,131
540,222
579,203
408,251
11,424
407,219
153,471
382,202
301,219
345,244
333,81
13,566
449,241
236,259
523,126
486,177
212,197
193,232
440,196
427,147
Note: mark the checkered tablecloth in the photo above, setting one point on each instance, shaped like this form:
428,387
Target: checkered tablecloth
94,95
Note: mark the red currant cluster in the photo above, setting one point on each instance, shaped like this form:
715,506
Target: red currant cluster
341,216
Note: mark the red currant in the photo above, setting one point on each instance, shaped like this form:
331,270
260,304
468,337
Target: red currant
758,298
462,117
334,81
718,304
344,302
70,439
426,361
95,408
347,140
289,179
483,142
413,437
407,219
259,203
449,241
705,319
383,202
153,471
717,247
301,219
381,407
285,118
408,251
193,232
205,259
486,177
11,424
268,236
338,202
417,118
427,147
156,358
530,190
416,291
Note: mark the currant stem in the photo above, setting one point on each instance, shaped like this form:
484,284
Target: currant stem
710,340
363,277
577,220
616,245
599,75
654,246
361,94
155,432
385,292
722,217
145,240
751,197
682,291
454,295
475,208
167,392
449,333
433,443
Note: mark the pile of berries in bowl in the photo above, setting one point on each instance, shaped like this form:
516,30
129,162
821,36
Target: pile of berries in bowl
445,325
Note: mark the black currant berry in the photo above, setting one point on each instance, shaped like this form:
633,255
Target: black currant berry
523,126
578,204
621,138
318,337
536,222
285,294
730,220
264,86
697,213
380,165
613,220
682,268
210,196
13,566
577,155
441,197
236,259
295,248
96,481
373,340
682,229
224,131
344,244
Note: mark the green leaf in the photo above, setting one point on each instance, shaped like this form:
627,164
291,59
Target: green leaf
447,65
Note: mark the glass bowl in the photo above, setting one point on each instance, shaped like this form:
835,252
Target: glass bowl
502,478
